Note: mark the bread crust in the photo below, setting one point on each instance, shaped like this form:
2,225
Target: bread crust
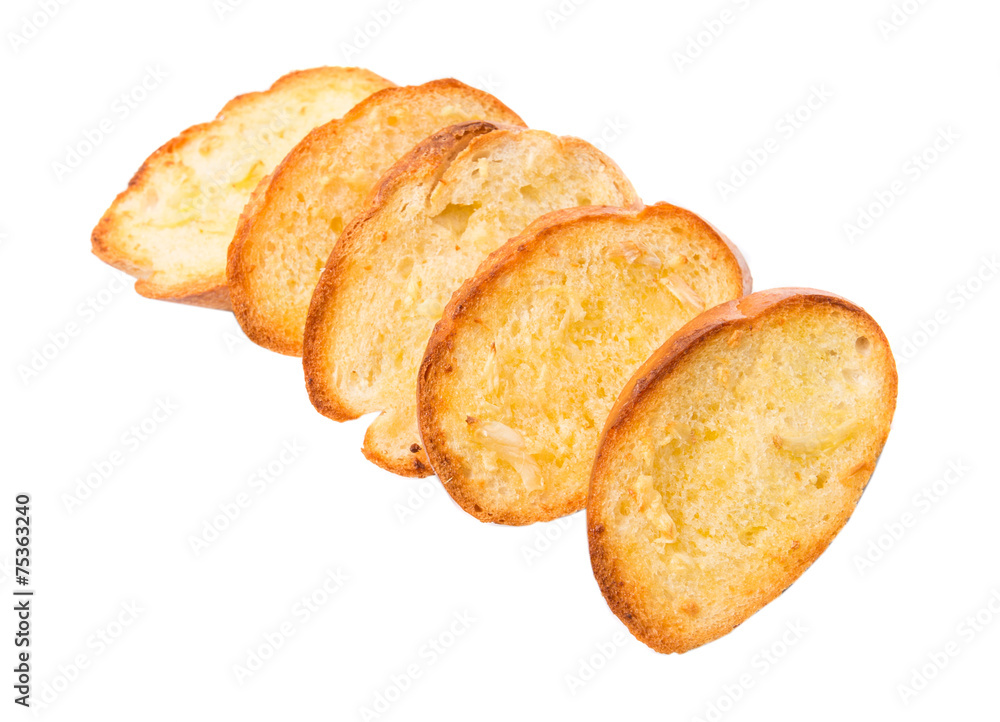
208,290
502,261
246,301
641,389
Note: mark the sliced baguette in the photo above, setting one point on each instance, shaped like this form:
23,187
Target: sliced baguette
530,354
732,458
434,217
171,227
290,227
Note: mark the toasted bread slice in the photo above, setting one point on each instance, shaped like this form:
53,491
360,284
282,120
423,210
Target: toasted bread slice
171,227
289,229
732,458
434,217
530,354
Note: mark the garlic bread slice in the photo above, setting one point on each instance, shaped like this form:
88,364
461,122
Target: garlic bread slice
733,458
171,227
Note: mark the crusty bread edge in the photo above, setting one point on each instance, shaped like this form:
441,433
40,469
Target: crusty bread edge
710,323
257,328
495,265
205,291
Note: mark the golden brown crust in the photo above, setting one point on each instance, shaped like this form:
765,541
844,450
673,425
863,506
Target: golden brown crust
209,290
205,294
237,268
435,367
258,327
641,389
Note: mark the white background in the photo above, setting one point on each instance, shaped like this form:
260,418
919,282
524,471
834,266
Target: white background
588,70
